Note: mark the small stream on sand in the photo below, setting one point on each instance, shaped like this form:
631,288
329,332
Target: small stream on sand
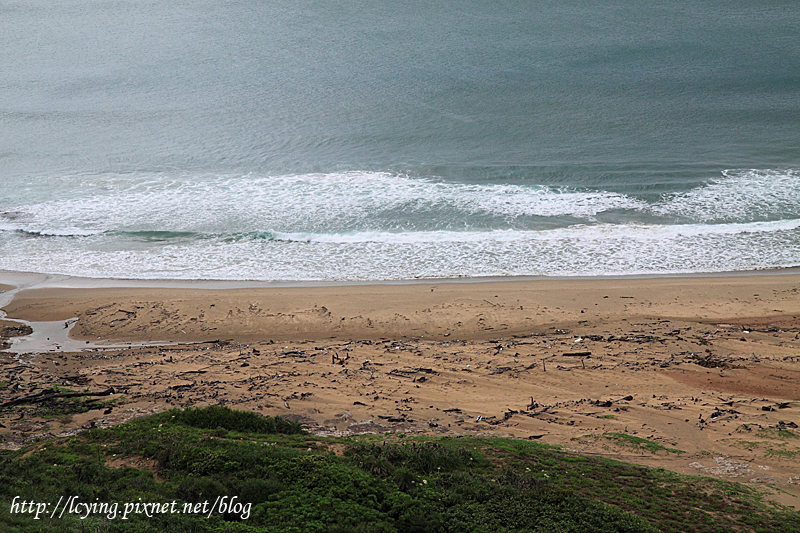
48,337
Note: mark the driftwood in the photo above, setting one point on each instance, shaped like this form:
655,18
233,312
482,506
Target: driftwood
337,360
50,394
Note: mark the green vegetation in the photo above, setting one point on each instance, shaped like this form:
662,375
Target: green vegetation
783,454
624,440
288,481
222,417
630,442
777,447
773,433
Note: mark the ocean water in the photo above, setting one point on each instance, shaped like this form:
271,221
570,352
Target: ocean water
275,140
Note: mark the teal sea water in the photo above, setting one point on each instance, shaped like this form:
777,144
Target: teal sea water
276,140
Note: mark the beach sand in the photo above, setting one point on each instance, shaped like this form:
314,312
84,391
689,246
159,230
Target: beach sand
709,366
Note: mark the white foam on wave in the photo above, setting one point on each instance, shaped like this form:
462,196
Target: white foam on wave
603,249
376,201
328,227
383,191
737,195
630,231
310,201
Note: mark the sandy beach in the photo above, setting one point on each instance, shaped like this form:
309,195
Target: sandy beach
707,367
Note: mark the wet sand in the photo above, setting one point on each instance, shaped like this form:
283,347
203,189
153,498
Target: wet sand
709,366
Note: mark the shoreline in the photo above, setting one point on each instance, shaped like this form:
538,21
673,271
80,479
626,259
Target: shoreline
14,279
145,312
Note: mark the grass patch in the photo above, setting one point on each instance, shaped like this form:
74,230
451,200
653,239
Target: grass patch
782,454
745,444
382,483
770,449
216,417
775,433
633,442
